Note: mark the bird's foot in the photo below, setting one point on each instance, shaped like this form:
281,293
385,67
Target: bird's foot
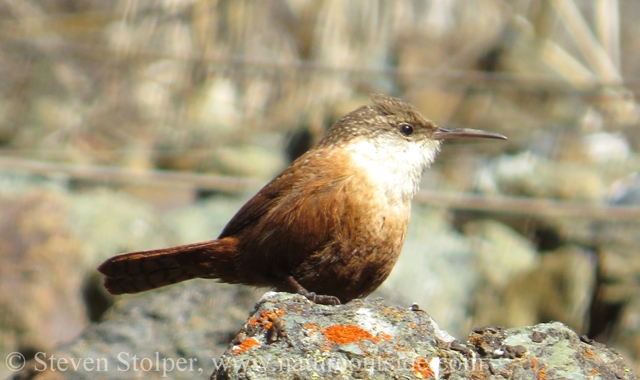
311,296
321,299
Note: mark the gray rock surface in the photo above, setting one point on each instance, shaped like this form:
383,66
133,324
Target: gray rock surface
437,269
173,333
40,299
528,174
289,337
461,278
180,333
50,245
558,288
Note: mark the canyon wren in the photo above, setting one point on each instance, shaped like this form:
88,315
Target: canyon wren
330,227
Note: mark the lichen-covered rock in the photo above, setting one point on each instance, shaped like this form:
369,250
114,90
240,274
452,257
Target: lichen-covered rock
439,267
174,332
289,337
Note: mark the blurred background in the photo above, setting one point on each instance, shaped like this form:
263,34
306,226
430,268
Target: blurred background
136,124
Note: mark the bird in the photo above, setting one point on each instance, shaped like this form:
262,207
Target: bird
330,227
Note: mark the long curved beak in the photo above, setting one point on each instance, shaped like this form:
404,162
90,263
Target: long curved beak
460,133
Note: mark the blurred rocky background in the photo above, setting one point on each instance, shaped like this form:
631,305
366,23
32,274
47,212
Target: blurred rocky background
137,124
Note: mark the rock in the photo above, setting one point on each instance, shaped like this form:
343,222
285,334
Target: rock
179,332
619,272
241,161
527,174
616,309
110,222
288,337
560,288
502,252
457,277
205,219
607,148
144,335
625,191
627,334
40,298
51,243
437,269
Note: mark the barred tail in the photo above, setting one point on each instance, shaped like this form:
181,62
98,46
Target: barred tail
139,271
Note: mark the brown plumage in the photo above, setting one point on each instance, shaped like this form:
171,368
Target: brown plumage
332,224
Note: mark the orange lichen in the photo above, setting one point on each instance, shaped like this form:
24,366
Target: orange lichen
311,326
266,318
539,369
475,340
542,374
589,353
385,336
343,334
422,367
247,344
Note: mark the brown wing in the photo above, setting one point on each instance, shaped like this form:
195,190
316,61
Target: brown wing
293,185
292,217
260,204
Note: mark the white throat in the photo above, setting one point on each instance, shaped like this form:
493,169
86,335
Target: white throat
393,166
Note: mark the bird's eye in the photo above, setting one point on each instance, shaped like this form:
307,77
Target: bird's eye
406,129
